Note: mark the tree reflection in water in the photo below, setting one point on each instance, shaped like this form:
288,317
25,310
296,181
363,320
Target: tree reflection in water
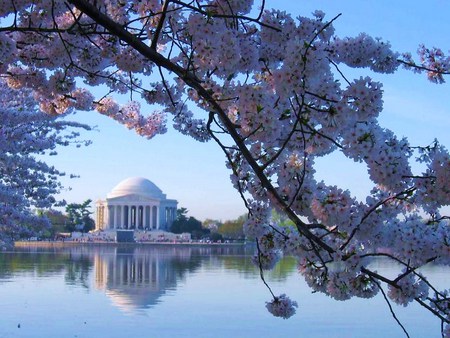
133,276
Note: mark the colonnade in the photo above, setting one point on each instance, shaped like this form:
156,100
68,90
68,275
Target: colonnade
170,215
135,271
134,216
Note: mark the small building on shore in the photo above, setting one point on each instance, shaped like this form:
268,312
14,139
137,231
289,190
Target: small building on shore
135,204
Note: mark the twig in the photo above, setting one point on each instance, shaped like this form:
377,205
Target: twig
390,306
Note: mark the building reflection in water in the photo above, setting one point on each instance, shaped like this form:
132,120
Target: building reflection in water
136,277
133,276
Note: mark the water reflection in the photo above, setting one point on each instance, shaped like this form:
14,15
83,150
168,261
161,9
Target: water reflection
46,263
133,277
98,286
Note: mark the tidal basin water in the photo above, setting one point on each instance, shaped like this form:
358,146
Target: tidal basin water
179,291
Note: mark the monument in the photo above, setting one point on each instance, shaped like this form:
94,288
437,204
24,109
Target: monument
135,204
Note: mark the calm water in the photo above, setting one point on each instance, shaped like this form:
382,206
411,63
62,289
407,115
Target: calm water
168,291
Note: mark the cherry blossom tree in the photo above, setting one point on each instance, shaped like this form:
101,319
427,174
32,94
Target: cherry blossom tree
272,91
27,182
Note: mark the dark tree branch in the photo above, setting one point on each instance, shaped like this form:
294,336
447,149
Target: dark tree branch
390,306
160,24
192,81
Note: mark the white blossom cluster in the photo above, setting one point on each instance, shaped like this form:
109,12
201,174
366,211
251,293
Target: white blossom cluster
433,61
409,288
26,182
282,306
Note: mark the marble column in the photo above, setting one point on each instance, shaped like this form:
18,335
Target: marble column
129,216
150,217
144,214
140,217
157,217
116,216
113,218
134,218
106,218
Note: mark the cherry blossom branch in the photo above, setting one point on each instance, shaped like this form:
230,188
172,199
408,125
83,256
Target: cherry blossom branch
228,156
261,272
371,210
444,318
226,16
411,64
160,24
195,83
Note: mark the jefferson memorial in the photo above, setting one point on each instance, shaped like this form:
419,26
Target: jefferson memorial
135,204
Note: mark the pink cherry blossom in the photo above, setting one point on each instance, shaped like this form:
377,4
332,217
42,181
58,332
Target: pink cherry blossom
26,181
282,306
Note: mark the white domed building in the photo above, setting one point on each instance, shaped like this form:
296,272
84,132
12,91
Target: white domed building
135,204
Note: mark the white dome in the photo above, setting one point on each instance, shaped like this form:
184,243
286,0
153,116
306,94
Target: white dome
136,186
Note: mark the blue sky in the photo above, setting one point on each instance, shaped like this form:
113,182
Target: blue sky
195,174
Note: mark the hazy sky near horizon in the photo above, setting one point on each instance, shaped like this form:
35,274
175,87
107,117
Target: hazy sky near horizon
195,174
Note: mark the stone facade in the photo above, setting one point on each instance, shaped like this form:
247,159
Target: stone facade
136,204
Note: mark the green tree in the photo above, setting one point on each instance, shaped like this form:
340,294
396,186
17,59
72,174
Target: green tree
215,237
281,219
211,224
58,221
182,214
191,225
233,229
79,217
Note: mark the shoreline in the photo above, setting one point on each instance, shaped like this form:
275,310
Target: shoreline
48,244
